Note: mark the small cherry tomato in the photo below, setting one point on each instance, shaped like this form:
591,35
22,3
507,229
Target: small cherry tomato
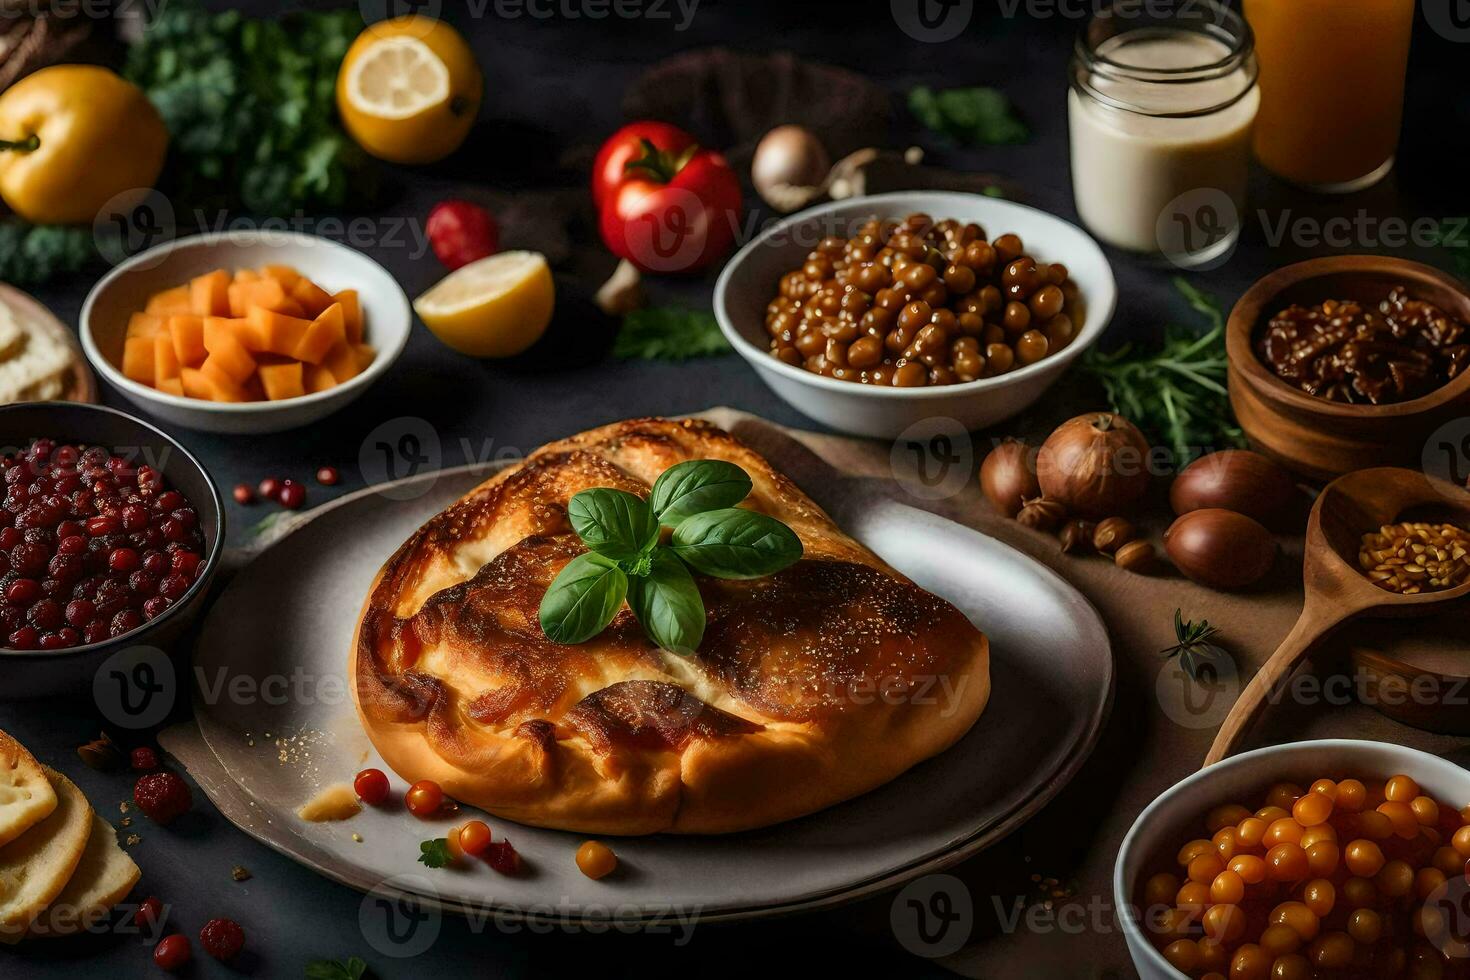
461,232
371,786
424,798
474,838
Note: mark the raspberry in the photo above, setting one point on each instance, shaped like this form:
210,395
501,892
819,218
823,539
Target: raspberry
163,796
144,759
222,939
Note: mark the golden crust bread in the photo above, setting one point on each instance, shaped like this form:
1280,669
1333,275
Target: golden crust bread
36,866
26,796
811,686
103,877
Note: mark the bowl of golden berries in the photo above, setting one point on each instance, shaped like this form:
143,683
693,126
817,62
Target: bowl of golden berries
1334,858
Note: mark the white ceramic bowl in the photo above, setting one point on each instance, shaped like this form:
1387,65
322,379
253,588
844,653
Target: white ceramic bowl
1174,817
751,278
125,290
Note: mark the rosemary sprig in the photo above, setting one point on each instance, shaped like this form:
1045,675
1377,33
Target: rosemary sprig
1176,392
1194,648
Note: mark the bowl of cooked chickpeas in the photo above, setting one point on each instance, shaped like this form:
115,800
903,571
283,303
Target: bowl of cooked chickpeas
1331,858
875,313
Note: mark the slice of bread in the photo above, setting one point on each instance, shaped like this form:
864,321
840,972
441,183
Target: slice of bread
103,878
35,867
26,798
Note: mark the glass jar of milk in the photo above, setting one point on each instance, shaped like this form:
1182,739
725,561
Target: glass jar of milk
1161,104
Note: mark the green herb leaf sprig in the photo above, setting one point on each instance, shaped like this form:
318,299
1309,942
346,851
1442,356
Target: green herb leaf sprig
1196,649
628,561
1175,392
666,333
353,968
977,116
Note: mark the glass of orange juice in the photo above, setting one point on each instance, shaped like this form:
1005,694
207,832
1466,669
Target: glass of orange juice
1332,88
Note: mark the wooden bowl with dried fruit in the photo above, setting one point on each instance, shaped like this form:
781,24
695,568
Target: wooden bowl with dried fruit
1349,362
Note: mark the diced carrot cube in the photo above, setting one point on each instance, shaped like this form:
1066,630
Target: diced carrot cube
325,333
226,352
283,380
138,359
318,378
283,274
342,362
172,386
188,337
169,301
218,376
365,355
146,324
312,297
276,332
260,292
165,360
351,314
209,294
209,386
246,275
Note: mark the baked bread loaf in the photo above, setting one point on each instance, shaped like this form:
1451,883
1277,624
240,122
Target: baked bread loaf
811,686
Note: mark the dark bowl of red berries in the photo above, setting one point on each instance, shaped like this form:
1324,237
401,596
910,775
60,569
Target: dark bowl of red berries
110,532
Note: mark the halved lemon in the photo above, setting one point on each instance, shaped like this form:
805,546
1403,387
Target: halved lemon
408,90
494,307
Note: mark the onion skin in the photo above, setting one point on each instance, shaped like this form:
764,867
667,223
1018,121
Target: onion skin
1220,548
1095,464
788,157
1008,477
1235,479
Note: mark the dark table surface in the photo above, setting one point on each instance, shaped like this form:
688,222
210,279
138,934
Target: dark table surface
558,80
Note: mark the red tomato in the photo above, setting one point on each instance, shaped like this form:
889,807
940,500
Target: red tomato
371,786
461,232
424,798
625,146
676,214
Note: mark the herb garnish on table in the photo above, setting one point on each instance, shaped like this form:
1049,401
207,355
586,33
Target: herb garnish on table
628,559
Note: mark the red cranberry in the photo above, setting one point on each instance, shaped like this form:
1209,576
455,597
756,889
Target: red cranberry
23,591
244,496
134,517
69,636
269,489
173,530
100,525
173,586
155,563
222,939
52,641
156,606
28,559
9,538
328,476
46,615
169,500
80,612
150,481
163,796
71,544
293,495
143,759
185,562
96,632
25,638
123,560
143,584
172,952
125,622
150,911
66,568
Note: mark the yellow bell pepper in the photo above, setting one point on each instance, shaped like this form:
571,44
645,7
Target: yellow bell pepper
72,137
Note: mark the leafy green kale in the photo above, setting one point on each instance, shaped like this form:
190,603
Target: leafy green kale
968,116
251,109
33,254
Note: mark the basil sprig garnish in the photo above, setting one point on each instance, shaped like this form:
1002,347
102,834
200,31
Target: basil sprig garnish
627,561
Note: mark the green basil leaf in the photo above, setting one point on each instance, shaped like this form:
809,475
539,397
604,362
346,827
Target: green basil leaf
583,598
736,543
697,486
668,604
613,523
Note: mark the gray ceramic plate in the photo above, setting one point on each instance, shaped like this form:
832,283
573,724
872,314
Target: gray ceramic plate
272,704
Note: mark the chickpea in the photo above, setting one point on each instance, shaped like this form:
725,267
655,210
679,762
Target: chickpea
999,358
596,860
909,374
1031,347
1008,247
960,279
1046,302
865,352
1365,926
915,315
1017,317
991,300
970,324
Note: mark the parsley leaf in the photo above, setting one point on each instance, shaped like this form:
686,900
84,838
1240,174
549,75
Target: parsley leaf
669,334
977,116
351,969
435,853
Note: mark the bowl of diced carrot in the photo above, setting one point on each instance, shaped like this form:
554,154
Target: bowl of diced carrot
245,332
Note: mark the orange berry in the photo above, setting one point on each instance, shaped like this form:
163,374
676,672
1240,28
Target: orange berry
1224,923
1426,811
1401,789
1312,809
1461,841
1225,816
1448,860
1287,862
1395,879
1401,815
1252,870
1280,940
1319,896
1322,858
1250,962
1326,787
1225,843
1283,831
474,838
1293,966
1364,858
1296,914
1351,796
1373,825
1194,896
1228,888
1160,890
1175,923
1283,795
1331,951
596,860
1213,957
1183,955
1205,867
1427,881
1250,832
1359,893
1271,814
1321,832
1365,926
1193,850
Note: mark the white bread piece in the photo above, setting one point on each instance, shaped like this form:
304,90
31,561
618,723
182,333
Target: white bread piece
26,796
103,878
35,867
